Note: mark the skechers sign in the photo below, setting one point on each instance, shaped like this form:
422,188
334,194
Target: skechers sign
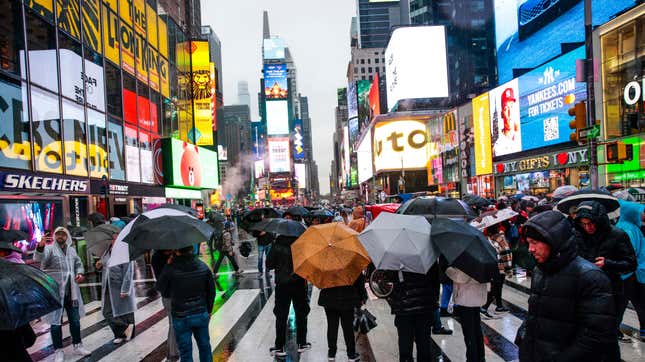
23,182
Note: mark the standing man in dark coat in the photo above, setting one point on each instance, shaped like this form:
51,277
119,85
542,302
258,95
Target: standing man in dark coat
608,247
289,287
413,302
571,314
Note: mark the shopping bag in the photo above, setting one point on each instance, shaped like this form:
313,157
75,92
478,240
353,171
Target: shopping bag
364,321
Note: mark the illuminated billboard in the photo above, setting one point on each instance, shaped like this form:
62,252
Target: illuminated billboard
203,86
352,101
481,126
546,95
301,174
273,48
346,152
298,140
374,99
400,143
414,71
277,113
279,159
259,168
505,129
363,88
364,158
530,32
189,166
275,81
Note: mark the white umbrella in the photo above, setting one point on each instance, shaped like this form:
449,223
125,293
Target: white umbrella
121,249
492,218
400,242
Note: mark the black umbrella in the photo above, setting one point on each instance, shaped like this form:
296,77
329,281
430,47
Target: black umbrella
476,201
465,248
5,245
255,215
166,229
437,206
99,239
609,201
297,211
182,208
283,227
322,213
26,293
13,235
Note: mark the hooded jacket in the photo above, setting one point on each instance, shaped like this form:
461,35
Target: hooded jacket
414,293
630,222
358,219
608,241
280,259
571,314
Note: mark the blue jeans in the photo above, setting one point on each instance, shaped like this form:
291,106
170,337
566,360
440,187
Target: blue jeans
197,325
74,326
262,250
446,293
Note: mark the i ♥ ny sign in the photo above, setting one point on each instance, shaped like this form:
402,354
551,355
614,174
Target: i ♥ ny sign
544,162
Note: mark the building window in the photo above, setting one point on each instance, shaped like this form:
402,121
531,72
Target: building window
98,145
363,70
115,147
45,115
355,70
362,61
383,69
74,139
71,68
376,60
369,61
114,90
11,40
14,124
41,41
369,70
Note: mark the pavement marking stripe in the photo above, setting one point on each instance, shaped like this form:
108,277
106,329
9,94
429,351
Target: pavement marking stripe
98,284
259,338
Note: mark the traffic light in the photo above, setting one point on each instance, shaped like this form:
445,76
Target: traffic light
579,111
618,152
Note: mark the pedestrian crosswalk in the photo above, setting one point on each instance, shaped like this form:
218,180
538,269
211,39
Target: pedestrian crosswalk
242,329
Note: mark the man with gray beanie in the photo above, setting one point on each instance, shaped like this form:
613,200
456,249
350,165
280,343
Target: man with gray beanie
571,308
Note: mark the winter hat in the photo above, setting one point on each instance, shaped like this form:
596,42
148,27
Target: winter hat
551,227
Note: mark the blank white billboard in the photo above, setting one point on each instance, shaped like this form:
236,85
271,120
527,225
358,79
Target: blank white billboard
364,158
415,64
301,175
277,117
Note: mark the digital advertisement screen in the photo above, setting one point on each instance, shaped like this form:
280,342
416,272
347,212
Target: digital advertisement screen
132,158
301,175
33,217
297,139
354,132
352,100
481,126
374,98
506,133
530,32
400,144
275,81
279,159
364,158
189,166
414,71
259,168
277,113
273,48
203,84
346,151
363,88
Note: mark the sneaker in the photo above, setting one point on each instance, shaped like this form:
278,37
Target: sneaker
128,332
331,358
501,309
118,340
623,338
304,346
484,311
354,358
442,330
444,313
80,350
59,356
277,352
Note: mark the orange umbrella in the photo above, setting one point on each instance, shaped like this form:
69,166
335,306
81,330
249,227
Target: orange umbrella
329,255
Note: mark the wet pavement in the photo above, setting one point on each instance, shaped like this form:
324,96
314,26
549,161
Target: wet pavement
242,327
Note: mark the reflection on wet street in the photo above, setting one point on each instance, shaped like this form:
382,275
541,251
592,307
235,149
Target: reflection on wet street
242,327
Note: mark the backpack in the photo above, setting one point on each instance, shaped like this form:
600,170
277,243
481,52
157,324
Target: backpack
245,248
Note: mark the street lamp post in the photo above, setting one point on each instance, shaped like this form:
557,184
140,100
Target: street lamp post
591,101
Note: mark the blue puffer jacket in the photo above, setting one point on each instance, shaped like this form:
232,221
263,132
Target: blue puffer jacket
630,222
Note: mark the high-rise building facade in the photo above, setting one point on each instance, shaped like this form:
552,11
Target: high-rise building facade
243,96
375,20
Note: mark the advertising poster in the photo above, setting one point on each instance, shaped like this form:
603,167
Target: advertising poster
481,125
434,148
139,13
275,81
164,77
127,43
141,52
352,100
374,99
546,95
364,158
506,133
115,148
154,70
346,151
45,8
277,113
146,154
151,23
297,140
163,37
189,166
354,132
202,83
529,33
110,35
92,24
132,157
363,88
273,48
259,168
301,174
15,145
400,144
69,17
279,159
46,131
416,72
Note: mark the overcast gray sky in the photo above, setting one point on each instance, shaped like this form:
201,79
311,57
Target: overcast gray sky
317,34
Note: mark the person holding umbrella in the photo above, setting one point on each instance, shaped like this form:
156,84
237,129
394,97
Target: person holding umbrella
226,250
118,303
60,261
497,238
571,314
607,247
289,288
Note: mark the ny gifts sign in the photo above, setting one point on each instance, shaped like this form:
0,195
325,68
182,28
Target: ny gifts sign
570,158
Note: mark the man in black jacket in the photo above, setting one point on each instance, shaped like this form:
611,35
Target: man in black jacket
571,309
608,247
289,287
413,302
189,284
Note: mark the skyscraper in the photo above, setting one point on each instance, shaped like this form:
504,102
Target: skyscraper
243,96
375,19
